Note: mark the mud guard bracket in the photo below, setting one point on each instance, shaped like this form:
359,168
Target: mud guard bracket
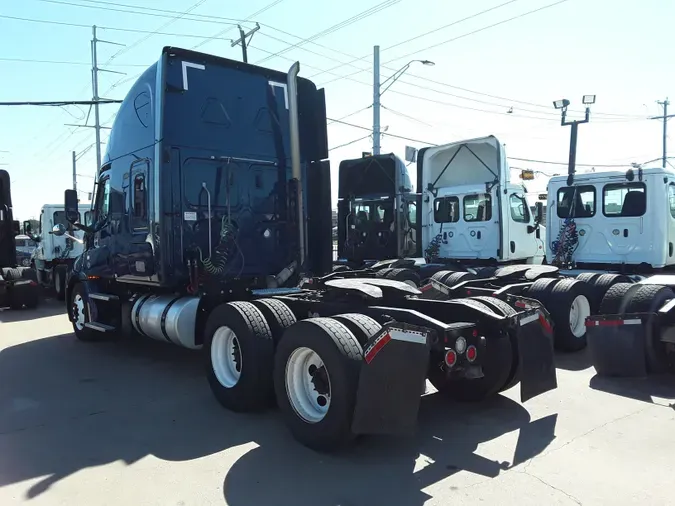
393,375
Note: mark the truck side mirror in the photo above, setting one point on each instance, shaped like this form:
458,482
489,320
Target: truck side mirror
59,230
71,206
27,228
538,212
16,227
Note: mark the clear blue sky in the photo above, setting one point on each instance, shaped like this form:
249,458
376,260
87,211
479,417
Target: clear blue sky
620,51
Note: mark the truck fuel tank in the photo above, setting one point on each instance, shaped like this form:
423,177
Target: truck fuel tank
166,318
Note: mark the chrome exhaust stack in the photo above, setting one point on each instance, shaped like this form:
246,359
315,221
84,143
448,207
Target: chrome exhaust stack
294,123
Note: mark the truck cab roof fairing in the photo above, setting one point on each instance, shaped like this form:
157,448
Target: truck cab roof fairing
473,161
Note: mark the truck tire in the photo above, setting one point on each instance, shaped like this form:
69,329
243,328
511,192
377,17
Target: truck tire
277,314
11,273
363,327
239,356
458,277
78,312
569,304
383,273
441,275
497,364
617,298
316,375
407,276
502,308
60,273
649,299
599,284
541,289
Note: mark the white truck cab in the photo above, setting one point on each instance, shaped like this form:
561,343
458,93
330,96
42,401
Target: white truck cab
54,255
622,219
471,209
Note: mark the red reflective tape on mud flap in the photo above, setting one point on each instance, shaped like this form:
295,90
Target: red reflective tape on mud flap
375,348
426,288
612,323
394,334
545,323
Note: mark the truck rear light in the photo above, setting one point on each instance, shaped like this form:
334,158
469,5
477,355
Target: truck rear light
450,358
460,345
471,353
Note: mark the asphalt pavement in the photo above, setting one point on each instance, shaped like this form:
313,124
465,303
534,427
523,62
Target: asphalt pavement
134,423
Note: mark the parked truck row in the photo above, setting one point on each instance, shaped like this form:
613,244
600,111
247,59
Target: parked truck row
211,229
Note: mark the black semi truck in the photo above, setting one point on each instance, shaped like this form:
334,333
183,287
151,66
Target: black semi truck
18,287
212,230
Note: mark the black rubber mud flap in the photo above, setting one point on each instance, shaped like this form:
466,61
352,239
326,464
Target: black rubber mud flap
535,350
617,344
395,362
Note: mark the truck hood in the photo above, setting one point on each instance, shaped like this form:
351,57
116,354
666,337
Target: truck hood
467,162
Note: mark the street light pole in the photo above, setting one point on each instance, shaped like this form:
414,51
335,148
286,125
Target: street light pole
378,91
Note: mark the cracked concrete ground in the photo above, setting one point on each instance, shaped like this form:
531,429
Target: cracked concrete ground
135,423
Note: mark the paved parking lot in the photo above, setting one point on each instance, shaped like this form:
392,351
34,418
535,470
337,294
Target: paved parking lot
135,424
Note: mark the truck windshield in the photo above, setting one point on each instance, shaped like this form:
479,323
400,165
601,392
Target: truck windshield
373,211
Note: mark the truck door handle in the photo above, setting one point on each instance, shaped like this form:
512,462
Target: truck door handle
625,232
478,234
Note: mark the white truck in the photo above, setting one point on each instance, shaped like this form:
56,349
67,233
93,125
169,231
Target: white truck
54,255
471,213
613,221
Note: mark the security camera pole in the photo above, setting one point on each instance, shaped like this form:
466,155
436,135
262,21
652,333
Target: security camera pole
562,104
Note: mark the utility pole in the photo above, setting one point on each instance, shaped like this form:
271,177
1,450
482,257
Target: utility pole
376,100
665,118
243,40
94,85
74,171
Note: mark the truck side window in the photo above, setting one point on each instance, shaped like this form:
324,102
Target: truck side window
580,198
446,210
478,207
140,198
624,199
103,199
520,213
412,213
671,199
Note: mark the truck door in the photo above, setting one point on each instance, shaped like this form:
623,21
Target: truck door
475,235
139,258
98,259
624,206
408,234
522,236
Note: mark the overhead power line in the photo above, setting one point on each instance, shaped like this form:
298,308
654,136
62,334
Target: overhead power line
191,17
62,103
528,160
338,26
472,16
453,39
350,142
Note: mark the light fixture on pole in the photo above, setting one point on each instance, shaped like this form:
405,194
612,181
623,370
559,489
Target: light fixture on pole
378,91
562,104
